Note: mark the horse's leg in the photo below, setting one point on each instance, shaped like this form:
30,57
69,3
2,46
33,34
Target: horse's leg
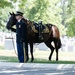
48,43
56,39
31,50
56,47
52,50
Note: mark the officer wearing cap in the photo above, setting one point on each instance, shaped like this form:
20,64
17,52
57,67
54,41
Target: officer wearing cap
21,39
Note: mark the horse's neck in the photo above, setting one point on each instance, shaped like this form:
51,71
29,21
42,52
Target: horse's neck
28,22
25,20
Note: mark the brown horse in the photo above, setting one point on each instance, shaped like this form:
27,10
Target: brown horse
52,36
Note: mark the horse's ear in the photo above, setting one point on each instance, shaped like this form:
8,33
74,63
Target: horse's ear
10,13
13,12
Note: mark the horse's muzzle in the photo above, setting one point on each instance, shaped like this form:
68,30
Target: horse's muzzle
8,27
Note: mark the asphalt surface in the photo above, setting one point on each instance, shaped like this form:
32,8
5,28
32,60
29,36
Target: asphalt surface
36,69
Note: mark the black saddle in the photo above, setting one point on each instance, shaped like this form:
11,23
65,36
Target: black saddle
39,26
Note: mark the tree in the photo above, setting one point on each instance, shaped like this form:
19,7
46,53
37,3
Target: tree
71,28
4,17
71,18
5,8
4,3
57,12
46,10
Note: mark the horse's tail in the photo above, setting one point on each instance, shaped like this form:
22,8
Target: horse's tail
59,44
56,34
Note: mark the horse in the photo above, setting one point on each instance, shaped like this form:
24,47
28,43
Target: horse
52,36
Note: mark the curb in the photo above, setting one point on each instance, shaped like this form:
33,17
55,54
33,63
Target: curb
37,65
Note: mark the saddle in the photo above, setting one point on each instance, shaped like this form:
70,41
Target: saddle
43,29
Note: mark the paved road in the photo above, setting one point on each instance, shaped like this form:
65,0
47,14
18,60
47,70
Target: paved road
36,69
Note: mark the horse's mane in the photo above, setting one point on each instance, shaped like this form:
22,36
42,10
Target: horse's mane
25,20
32,22
28,22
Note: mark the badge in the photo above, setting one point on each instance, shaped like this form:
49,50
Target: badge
19,26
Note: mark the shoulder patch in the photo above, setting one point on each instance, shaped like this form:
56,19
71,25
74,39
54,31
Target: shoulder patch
19,26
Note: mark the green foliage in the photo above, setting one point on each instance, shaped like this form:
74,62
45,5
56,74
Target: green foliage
5,6
46,10
71,18
4,16
71,28
22,4
4,3
58,12
38,10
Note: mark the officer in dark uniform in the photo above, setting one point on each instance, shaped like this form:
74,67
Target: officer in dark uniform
21,39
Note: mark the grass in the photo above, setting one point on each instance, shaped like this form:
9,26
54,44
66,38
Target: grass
40,57
37,60
8,59
53,62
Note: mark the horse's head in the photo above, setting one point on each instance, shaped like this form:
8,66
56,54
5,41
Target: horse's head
12,21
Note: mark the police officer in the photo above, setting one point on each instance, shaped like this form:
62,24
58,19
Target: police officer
21,39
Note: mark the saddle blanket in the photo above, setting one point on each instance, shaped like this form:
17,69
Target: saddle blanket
45,30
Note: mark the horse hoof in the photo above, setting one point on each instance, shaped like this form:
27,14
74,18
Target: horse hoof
56,59
32,60
27,59
49,59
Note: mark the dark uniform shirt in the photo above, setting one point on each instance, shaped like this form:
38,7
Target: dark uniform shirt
21,31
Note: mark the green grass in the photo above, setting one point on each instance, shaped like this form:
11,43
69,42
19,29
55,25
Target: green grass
37,60
53,62
8,59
